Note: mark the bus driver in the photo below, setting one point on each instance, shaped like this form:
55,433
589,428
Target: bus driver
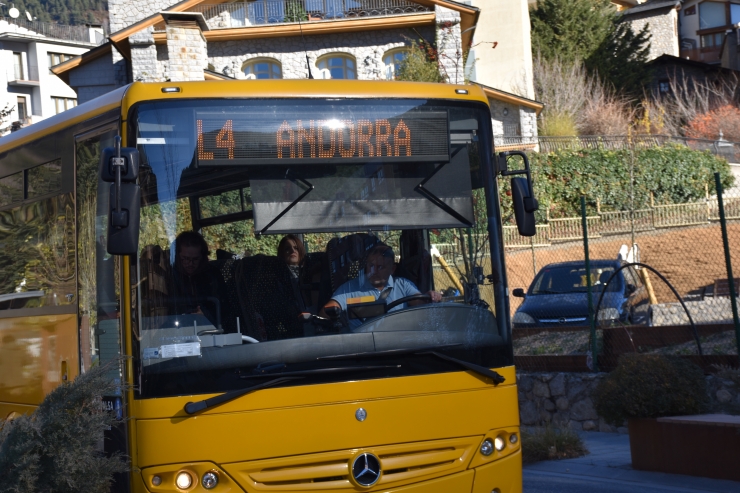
378,282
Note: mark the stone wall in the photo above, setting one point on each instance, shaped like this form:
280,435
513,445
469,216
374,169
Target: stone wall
708,310
449,45
144,66
186,52
367,48
123,13
663,30
566,399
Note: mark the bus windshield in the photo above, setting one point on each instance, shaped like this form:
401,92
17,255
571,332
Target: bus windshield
229,185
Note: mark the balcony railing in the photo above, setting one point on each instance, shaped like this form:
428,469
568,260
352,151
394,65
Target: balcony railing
242,14
19,74
705,55
78,34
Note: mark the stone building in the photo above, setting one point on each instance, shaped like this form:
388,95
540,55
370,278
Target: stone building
661,18
155,40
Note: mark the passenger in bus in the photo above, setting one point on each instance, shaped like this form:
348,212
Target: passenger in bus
194,289
377,281
292,252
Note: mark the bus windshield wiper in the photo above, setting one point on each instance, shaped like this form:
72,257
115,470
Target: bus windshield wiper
324,371
194,407
388,352
480,370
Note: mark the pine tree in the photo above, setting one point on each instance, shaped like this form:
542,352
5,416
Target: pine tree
571,29
621,60
591,31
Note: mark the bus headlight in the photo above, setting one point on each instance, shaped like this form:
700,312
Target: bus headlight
209,481
183,480
523,318
486,447
499,443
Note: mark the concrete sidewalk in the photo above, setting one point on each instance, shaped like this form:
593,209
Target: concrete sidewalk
609,461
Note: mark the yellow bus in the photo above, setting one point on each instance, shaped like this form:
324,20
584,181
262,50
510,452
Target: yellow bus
232,380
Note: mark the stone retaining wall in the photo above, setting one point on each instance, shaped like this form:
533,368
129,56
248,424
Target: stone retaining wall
566,399
708,310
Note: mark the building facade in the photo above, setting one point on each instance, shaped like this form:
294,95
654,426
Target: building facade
296,39
28,50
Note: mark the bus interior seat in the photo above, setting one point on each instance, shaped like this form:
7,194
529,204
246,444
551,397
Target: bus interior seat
156,273
346,256
260,286
314,281
416,261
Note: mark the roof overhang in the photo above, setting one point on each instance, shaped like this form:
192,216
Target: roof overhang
314,27
507,97
62,70
196,17
468,17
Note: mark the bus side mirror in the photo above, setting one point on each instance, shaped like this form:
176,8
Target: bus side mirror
128,159
524,207
123,224
120,167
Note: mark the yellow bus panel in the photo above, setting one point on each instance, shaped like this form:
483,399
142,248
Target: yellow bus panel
37,353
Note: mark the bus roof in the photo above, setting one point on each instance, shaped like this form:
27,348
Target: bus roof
302,88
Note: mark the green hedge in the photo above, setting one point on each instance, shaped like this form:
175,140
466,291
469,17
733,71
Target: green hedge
673,173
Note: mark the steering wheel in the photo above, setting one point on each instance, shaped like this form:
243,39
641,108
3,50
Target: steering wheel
406,299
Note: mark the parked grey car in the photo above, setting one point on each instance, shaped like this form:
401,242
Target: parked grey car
558,296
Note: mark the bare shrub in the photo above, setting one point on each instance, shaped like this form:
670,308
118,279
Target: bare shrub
575,102
687,99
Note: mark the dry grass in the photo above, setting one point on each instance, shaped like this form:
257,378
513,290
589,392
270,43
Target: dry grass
551,443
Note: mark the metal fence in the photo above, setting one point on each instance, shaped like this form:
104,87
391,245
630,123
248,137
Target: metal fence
694,245
241,14
78,34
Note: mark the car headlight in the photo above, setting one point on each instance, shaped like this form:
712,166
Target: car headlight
523,318
608,314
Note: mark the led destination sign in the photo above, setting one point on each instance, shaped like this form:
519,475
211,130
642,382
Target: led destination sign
239,139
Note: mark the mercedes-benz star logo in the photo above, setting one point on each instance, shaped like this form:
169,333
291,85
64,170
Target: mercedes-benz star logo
366,469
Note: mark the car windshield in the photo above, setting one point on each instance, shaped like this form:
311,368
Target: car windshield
573,279
255,214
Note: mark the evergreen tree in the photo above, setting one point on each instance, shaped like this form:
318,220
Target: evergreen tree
571,29
621,60
591,31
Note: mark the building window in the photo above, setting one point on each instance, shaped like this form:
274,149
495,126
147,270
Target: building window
263,69
664,87
712,40
393,61
337,67
18,66
712,14
57,58
734,13
63,104
22,108
689,10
